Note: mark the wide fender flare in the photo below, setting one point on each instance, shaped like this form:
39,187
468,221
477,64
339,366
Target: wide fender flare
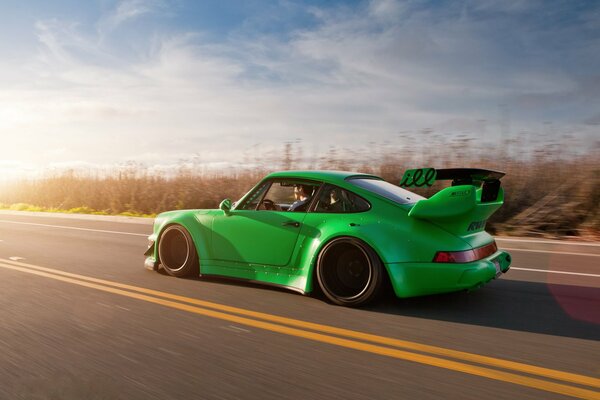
317,245
196,226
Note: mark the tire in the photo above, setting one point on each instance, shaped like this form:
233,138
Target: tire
177,253
349,272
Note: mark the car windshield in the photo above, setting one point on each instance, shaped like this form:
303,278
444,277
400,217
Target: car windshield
386,189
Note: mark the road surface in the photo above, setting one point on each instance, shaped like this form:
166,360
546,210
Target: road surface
82,319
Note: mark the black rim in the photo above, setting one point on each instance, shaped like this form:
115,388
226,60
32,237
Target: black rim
174,249
346,270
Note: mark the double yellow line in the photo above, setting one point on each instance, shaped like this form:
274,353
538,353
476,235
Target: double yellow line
488,367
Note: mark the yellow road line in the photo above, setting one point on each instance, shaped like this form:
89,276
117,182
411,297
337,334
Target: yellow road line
351,344
440,351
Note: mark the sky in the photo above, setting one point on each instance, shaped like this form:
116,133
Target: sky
99,83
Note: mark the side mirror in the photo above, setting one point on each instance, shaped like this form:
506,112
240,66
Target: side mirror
225,206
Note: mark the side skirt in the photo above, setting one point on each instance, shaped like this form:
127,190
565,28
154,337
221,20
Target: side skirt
254,281
282,277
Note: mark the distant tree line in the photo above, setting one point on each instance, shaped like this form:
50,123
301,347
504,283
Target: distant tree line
548,192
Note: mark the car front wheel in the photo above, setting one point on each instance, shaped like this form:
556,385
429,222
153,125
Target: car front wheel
177,253
349,272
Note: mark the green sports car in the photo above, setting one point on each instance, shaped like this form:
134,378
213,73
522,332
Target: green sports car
343,232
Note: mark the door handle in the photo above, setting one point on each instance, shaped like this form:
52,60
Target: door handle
291,223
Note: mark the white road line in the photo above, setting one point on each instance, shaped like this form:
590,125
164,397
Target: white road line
173,353
556,242
74,228
552,252
128,359
500,239
235,328
16,258
555,272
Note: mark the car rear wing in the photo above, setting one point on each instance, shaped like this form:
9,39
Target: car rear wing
488,180
464,207
460,176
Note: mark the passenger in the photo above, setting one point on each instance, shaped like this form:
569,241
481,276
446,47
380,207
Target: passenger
302,195
335,204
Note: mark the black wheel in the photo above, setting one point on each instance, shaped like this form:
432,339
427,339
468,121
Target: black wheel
177,253
349,272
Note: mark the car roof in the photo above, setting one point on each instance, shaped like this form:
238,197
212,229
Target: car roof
327,176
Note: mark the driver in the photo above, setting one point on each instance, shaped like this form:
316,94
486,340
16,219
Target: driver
302,195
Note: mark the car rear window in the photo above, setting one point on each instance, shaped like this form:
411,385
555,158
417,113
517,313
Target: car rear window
387,190
333,199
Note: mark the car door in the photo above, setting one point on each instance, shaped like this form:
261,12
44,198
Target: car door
253,234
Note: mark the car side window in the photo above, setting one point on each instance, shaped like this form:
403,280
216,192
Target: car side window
251,202
333,199
288,195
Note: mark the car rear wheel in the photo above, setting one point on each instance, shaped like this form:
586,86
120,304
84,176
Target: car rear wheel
349,272
177,253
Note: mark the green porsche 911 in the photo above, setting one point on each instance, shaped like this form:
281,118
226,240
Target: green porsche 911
345,232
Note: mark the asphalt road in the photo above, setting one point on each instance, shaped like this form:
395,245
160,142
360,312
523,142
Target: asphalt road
82,319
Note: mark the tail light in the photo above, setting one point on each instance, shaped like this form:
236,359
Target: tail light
466,255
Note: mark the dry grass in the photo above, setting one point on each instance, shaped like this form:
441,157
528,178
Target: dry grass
548,192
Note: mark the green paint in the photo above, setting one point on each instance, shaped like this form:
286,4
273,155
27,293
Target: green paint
281,247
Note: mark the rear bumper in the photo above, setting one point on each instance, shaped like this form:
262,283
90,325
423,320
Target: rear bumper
418,279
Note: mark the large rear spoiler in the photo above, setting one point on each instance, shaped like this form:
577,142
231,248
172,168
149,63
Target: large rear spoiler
488,180
460,176
463,208
468,176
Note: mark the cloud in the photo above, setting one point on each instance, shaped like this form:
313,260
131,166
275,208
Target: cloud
353,75
128,10
509,7
593,120
387,9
